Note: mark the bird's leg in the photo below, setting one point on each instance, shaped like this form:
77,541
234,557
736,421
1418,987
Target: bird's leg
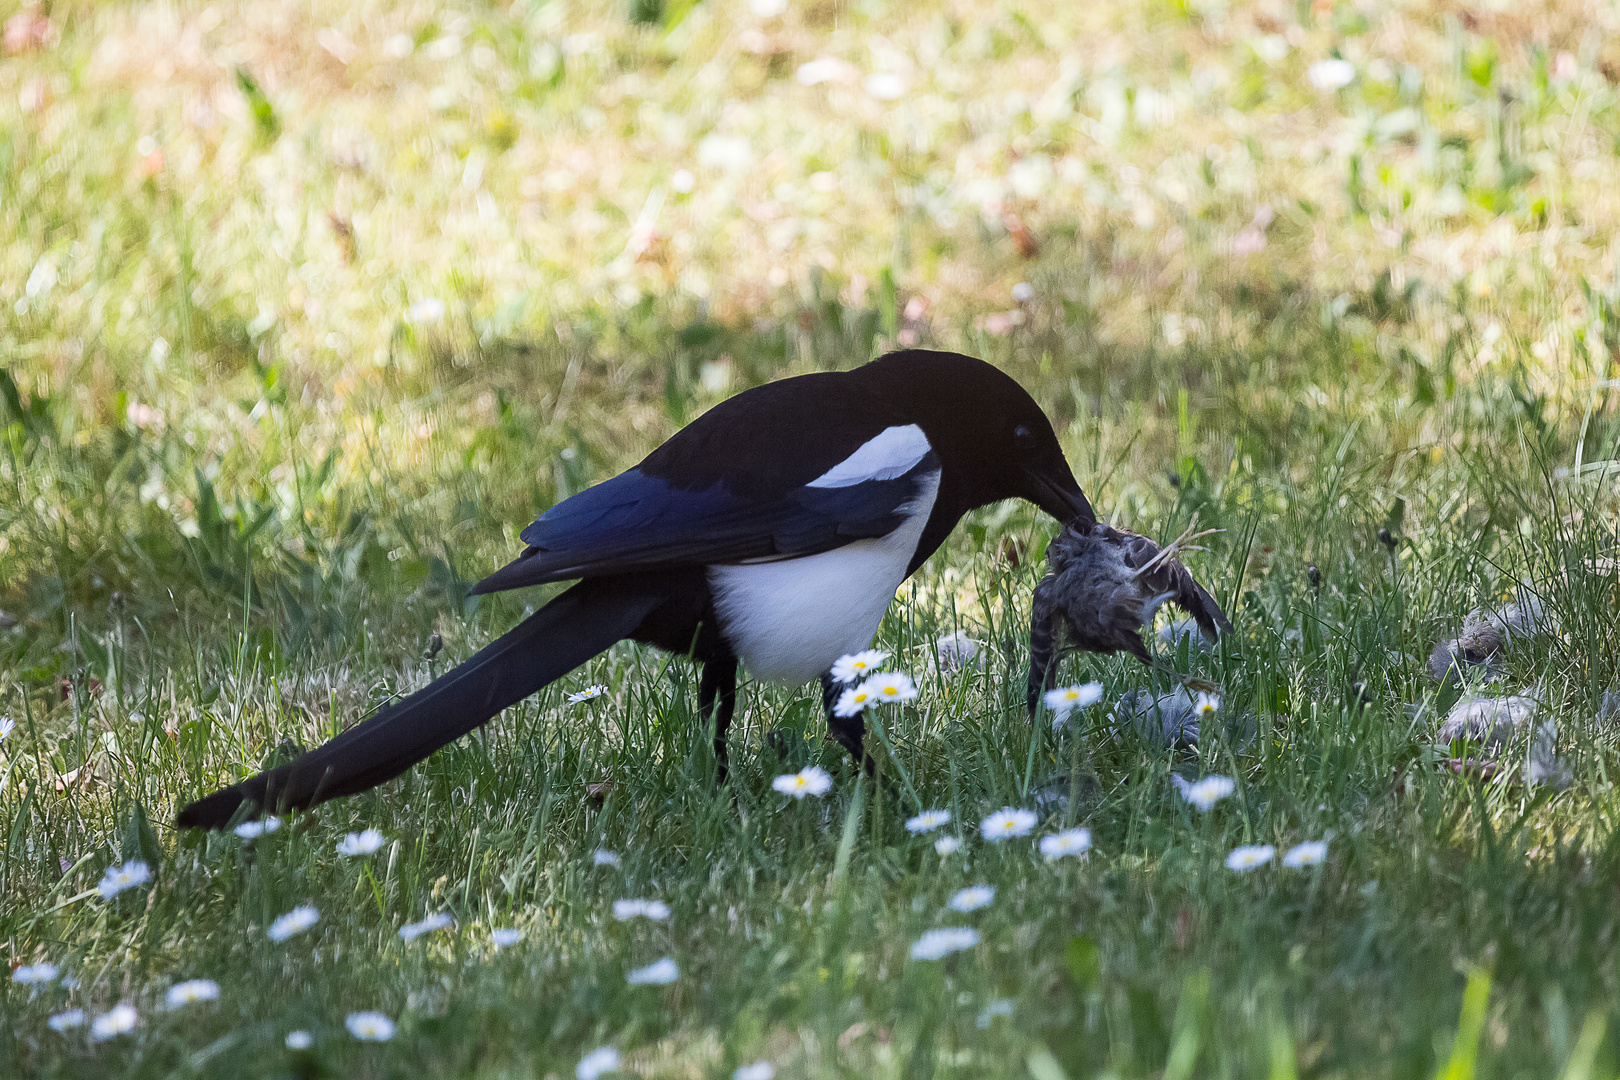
1167,671
1184,542
1043,630
717,701
848,731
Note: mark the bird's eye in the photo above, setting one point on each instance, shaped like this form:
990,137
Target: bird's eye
1023,438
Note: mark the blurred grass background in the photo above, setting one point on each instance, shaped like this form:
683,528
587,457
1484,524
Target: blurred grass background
361,268
309,308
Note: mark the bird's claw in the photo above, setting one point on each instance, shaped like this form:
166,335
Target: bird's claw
1184,542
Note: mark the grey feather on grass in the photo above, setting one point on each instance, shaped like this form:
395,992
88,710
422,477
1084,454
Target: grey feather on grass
1486,636
1494,722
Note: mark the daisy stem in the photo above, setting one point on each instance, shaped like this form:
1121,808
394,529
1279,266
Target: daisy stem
888,748
846,842
1029,763
74,899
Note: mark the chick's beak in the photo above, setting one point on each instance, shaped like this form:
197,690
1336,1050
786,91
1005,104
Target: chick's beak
1053,488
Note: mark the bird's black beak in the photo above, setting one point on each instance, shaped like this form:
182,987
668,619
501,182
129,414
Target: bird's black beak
1053,488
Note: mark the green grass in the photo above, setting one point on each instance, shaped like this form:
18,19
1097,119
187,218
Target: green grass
249,533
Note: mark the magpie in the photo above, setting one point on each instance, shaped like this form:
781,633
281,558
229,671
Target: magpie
770,533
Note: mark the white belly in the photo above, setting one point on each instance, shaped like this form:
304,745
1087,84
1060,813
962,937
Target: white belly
788,621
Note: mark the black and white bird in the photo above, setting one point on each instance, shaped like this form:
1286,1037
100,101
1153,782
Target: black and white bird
771,532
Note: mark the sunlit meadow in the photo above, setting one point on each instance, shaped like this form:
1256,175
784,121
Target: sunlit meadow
309,307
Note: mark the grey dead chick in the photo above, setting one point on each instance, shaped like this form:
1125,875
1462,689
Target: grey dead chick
1486,635
956,651
1052,795
1102,587
1173,720
1489,721
1493,723
1169,719
1186,628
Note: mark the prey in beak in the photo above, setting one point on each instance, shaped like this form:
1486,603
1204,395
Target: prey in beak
1103,586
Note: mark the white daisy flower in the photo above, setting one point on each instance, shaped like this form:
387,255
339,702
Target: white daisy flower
64,1021
604,857
890,686
360,843
1331,74
369,1026
625,910
825,69
885,86
1023,292
928,821
1246,858
1067,842
938,944
190,992
131,875
1206,705
1205,793
252,830
853,700
437,921
504,937
810,781
1309,853
116,1021
34,974
658,973
759,1070
1007,822
597,1063
682,182
300,1040
596,690
296,921
947,845
1066,699
7,726
972,898
847,669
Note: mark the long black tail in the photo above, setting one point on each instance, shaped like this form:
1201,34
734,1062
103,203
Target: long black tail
547,645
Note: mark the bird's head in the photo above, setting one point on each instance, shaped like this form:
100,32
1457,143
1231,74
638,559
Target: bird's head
993,441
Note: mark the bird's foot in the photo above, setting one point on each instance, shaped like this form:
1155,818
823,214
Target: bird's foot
1174,548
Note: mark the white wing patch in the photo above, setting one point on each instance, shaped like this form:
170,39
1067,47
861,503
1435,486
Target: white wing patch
789,620
889,454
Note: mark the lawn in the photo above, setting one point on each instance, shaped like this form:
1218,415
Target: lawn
310,307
